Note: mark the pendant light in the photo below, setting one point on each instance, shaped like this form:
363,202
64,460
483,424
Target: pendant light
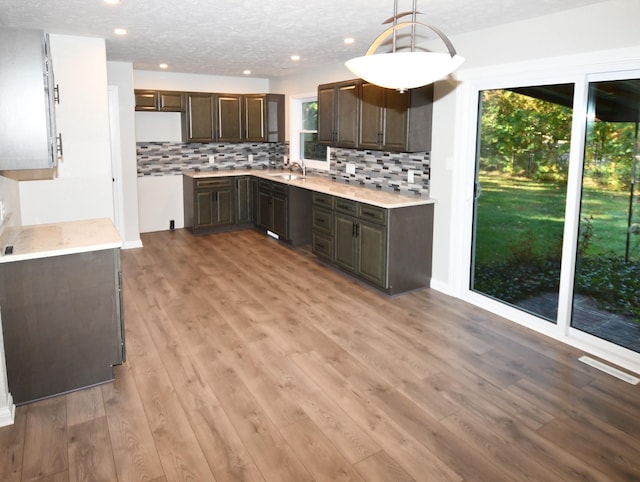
407,69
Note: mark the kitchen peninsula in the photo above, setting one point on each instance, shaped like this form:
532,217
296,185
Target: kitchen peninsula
382,238
61,306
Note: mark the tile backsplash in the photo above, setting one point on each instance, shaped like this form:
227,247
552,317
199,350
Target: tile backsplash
387,171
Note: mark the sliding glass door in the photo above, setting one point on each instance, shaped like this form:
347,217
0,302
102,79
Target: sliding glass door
527,198
606,295
521,183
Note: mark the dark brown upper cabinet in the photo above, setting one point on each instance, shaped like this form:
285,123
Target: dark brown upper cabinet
229,117
199,120
395,121
171,101
338,114
264,117
162,101
146,100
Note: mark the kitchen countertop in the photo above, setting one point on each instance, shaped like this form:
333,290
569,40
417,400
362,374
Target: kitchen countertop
46,240
321,184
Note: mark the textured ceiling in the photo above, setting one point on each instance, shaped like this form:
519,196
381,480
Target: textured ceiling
225,37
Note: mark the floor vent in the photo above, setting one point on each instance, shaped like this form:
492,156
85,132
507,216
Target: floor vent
610,370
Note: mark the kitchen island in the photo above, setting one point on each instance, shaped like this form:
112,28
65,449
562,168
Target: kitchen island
382,238
60,306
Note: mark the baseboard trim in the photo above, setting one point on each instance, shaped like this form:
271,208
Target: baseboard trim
132,244
8,413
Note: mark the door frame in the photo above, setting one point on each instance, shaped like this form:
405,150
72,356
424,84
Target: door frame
555,71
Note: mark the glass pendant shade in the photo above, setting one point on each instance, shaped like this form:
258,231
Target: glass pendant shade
404,70
407,69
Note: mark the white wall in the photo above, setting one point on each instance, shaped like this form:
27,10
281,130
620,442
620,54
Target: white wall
603,26
145,79
82,189
120,75
10,197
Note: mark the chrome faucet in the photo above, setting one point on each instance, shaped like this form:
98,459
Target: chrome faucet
302,168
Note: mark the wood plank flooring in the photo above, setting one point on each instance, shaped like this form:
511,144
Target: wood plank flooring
248,360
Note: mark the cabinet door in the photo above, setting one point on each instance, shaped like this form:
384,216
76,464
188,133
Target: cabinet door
224,206
205,210
229,118
325,114
275,118
345,242
146,100
254,114
243,200
396,116
280,216
254,201
371,116
372,259
199,125
346,120
171,101
264,209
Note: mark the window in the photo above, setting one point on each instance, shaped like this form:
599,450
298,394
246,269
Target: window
304,133
309,147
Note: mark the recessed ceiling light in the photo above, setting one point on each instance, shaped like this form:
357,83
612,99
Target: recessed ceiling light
164,66
247,72
295,58
112,2
120,31
349,40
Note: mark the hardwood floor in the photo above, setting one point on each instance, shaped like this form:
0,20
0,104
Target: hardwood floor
248,360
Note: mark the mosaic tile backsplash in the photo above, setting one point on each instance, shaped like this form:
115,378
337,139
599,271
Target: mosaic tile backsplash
387,171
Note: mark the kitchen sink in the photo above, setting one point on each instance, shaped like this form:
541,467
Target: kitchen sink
288,177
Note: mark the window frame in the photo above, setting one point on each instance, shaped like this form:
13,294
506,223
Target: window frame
296,129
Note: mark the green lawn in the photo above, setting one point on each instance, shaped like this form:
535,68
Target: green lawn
519,235
513,212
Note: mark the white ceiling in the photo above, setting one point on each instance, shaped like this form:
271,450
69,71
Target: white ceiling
225,37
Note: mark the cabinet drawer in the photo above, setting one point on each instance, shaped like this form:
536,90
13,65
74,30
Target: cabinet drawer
321,199
373,213
279,188
322,220
213,182
322,245
346,206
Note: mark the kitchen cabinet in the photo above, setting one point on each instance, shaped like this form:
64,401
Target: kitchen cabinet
322,226
360,244
62,321
389,248
28,137
395,121
161,101
273,206
199,119
146,100
264,118
230,122
338,114
244,201
284,210
209,203
169,101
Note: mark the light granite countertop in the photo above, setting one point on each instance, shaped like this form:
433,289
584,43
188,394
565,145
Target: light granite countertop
46,240
321,184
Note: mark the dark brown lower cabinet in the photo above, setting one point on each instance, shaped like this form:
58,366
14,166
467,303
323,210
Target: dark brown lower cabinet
62,322
388,248
284,210
209,203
